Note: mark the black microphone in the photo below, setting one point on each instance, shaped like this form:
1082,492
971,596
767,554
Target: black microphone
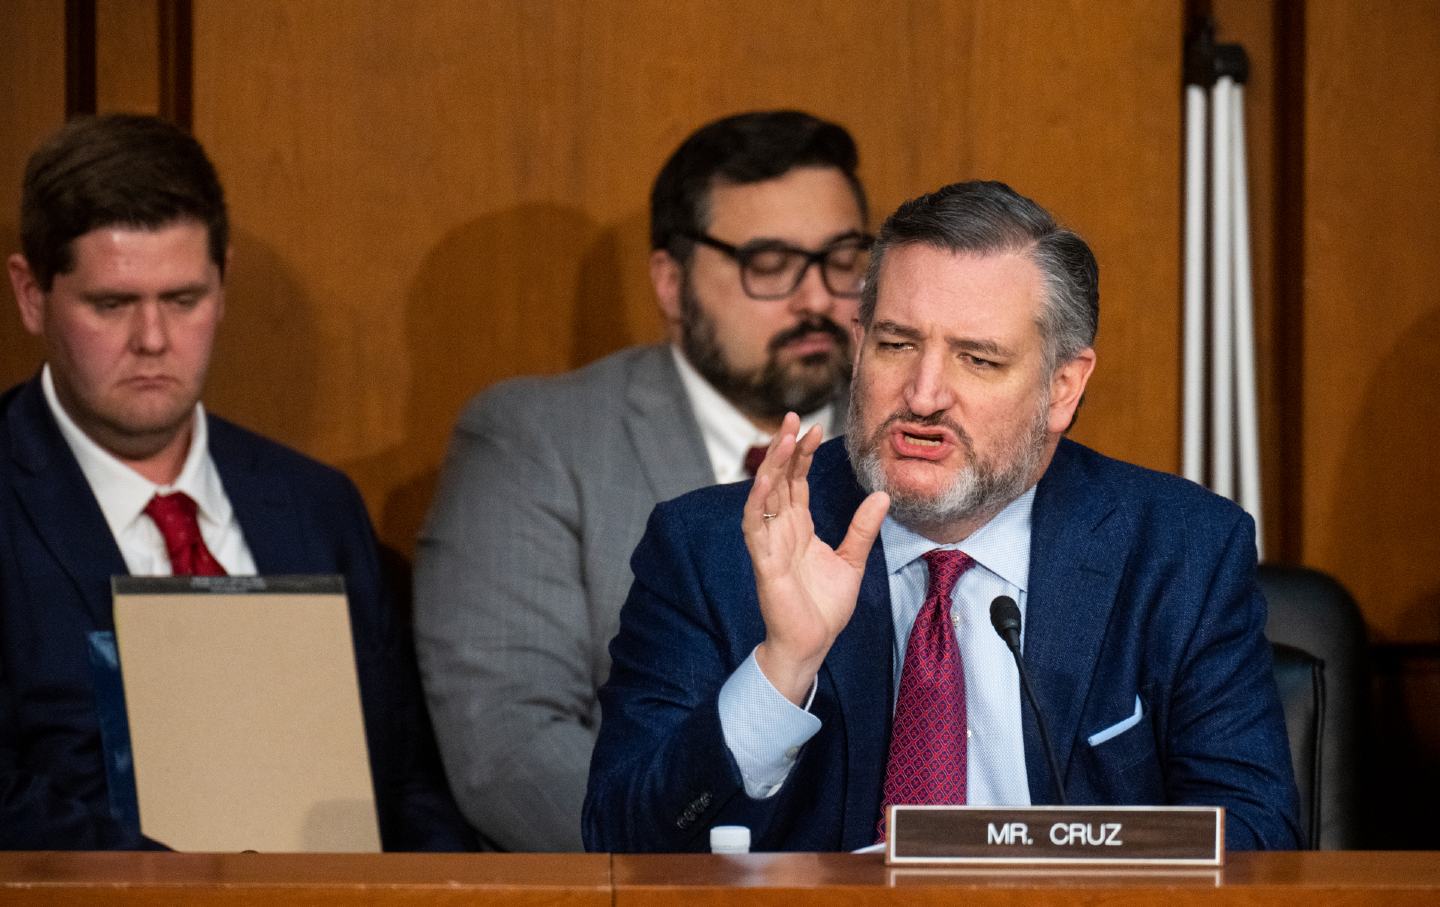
1005,618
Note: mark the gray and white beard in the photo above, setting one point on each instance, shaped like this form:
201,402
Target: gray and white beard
980,489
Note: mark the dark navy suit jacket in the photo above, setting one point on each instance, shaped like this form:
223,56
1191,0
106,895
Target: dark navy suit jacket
57,556
1141,584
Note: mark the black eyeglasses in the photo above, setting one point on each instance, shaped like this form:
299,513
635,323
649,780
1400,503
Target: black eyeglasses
773,270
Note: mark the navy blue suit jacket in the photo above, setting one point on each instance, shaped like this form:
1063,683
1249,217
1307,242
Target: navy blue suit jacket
57,556
1140,584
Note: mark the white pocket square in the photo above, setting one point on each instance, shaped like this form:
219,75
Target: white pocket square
1116,730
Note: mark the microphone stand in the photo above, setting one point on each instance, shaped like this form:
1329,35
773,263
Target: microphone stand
1005,617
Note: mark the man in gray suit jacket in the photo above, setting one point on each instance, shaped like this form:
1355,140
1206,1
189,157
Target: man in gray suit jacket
759,252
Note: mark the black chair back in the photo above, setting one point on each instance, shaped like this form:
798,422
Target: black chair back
1321,668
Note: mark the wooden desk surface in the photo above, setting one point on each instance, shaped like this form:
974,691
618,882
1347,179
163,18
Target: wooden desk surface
124,879
1280,879
791,880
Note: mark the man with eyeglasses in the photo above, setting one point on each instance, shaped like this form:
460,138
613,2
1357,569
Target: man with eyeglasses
759,252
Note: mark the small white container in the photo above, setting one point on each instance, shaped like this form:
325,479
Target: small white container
729,839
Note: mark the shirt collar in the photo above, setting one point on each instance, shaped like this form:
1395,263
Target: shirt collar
727,433
1001,546
121,491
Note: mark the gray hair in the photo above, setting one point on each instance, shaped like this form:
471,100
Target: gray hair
990,218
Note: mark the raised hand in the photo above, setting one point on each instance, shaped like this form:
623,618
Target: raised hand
807,589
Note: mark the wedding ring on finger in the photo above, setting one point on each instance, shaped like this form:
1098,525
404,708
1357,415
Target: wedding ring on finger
767,517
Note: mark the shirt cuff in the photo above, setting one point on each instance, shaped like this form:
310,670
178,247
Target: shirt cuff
762,728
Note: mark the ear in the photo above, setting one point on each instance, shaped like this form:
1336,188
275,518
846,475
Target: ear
1067,386
28,295
666,277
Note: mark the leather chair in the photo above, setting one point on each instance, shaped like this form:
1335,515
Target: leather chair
1321,668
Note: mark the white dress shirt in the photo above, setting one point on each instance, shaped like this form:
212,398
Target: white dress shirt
728,434
123,493
765,731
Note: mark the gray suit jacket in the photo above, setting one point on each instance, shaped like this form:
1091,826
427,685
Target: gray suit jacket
521,570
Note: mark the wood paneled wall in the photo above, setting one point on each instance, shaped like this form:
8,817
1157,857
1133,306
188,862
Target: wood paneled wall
32,104
127,54
1371,480
430,199
1343,178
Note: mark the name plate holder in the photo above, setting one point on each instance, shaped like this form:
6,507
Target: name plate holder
1074,836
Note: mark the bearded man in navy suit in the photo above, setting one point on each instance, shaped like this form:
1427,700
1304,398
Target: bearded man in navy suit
125,239
768,637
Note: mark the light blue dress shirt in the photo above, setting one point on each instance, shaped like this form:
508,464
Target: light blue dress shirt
765,731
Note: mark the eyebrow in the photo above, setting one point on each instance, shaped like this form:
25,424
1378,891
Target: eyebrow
771,242
986,347
198,288
897,329
964,344
109,296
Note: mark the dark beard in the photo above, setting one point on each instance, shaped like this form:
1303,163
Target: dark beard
772,390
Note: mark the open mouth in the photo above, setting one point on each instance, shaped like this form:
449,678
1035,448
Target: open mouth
922,443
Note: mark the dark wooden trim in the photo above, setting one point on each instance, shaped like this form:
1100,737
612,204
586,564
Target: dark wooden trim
176,60
80,90
1288,373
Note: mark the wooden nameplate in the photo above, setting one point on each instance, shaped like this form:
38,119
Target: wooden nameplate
1057,835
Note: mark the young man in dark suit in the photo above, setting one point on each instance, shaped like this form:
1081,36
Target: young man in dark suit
109,464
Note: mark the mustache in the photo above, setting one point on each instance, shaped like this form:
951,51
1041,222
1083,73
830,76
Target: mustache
817,324
934,420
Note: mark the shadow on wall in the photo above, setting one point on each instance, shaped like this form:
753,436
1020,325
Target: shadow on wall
20,353
265,369
535,289
1390,475
1382,521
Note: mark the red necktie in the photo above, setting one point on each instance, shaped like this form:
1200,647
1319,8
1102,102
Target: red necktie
927,740
753,458
174,514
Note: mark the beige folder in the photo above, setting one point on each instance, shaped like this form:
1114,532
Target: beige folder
244,712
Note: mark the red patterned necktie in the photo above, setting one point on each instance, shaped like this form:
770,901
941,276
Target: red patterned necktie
174,514
753,458
927,740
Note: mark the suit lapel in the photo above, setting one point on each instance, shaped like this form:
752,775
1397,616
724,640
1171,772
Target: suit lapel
261,499
1077,555
57,499
662,428
859,663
